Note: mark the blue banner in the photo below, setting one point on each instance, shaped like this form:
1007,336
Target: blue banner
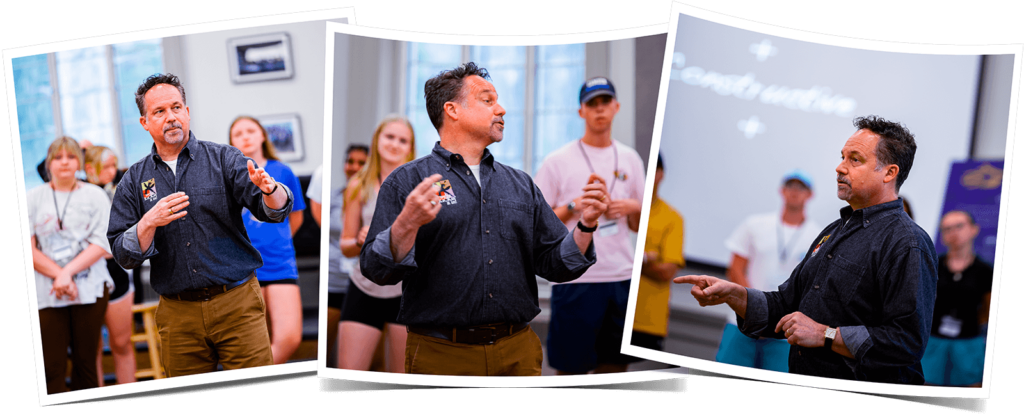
975,187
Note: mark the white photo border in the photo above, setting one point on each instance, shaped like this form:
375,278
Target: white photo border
803,380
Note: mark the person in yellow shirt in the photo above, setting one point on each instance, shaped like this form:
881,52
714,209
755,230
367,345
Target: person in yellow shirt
663,257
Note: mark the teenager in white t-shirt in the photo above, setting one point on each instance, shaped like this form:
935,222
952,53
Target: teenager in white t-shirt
587,314
765,250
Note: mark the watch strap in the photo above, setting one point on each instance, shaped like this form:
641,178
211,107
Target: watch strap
271,191
830,335
584,228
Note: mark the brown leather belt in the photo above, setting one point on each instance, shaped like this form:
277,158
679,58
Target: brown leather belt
207,293
477,335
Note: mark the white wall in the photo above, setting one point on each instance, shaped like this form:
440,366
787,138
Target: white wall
214,99
365,90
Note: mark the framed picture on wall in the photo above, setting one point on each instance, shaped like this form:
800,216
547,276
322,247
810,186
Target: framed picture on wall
260,57
285,133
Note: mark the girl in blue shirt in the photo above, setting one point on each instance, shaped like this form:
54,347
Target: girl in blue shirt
279,276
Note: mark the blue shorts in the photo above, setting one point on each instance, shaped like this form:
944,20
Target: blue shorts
587,321
738,349
954,362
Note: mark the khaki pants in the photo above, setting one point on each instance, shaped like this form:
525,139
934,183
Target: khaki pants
516,355
229,329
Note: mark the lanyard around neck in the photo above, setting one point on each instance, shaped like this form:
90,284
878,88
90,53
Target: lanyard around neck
615,173
61,214
785,246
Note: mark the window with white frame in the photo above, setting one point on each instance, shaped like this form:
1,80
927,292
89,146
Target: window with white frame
537,85
87,94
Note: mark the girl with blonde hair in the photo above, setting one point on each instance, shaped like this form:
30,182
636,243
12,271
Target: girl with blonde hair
368,307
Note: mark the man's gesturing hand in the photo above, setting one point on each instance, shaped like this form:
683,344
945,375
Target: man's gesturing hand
261,178
167,209
802,330
422,204
709,290
421,207
714,291
594,200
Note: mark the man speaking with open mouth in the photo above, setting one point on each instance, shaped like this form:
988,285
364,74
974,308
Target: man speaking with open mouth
466,236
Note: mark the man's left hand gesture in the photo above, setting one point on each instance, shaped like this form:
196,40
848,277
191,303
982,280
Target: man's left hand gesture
261,178
802,330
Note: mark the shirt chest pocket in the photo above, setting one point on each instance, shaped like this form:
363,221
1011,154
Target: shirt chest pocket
843,278
208,204
516,220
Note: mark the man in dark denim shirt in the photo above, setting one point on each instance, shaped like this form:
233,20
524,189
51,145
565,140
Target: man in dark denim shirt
200,256
466,236
859,306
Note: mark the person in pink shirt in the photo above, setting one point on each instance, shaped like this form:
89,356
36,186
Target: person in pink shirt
587,314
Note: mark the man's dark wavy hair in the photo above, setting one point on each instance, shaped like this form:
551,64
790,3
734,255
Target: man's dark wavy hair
896,145
152,81
447,86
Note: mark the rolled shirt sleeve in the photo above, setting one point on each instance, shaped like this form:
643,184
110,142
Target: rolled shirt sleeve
757,315
122,234
558,257
380,256
575,262
375,259
277,215
130,243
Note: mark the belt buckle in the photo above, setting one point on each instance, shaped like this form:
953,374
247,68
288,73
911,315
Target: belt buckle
493,334
206,293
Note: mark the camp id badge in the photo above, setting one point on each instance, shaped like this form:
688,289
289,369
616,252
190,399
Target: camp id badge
608,229
950,326
62,252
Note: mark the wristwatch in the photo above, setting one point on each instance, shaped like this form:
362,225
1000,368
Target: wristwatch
830,335
571,206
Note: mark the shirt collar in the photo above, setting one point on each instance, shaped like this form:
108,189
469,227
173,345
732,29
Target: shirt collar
873,212
189,149
449,158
